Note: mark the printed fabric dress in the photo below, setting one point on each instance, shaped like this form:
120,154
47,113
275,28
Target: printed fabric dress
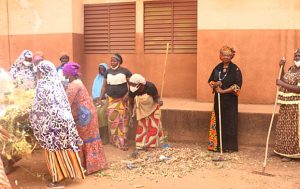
232,78
86,119
54,127
149,131
118,107
287,142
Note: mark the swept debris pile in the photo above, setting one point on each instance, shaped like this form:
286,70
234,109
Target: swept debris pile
174,162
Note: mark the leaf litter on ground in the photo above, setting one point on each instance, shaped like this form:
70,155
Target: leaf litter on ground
174,162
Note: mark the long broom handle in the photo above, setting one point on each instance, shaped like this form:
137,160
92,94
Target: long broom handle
164,73
271,122
220,123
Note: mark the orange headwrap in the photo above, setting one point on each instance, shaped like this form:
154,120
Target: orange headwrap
225,50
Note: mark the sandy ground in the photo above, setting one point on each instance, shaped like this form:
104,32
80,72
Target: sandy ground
235,172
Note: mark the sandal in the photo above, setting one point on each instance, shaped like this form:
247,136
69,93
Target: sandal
55,185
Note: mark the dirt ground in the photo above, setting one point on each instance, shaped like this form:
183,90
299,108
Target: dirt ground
188,166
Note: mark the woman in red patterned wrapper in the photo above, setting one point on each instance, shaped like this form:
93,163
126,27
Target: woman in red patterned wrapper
226,79
86,120
145,106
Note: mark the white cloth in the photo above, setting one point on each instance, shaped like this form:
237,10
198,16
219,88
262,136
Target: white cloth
137,79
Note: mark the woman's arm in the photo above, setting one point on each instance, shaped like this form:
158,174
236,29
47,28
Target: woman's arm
103,89
223,91
291,88
72,90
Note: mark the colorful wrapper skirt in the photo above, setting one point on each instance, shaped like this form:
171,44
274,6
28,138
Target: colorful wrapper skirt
149,133
118,114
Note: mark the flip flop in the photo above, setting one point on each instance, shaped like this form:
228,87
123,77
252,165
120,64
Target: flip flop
55,185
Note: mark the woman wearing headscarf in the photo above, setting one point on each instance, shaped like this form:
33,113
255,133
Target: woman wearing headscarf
98,81
54,127
145,105
226,79
116,87
63,60
102,110
85,116
22,71
287,133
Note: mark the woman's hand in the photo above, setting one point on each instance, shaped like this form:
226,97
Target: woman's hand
125,97
279,82
214,85
282,62
160,103
217,84
98,102
219,90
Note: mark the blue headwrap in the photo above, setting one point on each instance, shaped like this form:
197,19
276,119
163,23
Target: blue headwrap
98,82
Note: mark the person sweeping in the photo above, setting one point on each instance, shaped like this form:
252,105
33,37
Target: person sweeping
145,106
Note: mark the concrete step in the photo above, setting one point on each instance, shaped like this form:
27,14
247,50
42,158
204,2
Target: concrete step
186,120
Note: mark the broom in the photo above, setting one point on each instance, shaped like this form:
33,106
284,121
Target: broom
269,131
220,157
164,72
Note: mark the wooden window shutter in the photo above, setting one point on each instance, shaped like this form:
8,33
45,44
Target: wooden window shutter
173,22
109,28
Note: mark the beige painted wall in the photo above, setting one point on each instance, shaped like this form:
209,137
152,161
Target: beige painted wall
248,14
3,18
77,16
41,16
106,1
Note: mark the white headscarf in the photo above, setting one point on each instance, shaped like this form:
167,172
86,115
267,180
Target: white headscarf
137,79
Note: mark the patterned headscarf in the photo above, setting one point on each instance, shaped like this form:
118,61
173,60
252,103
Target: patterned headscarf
21,58
297,51
51,118
71,69
225,50
23,74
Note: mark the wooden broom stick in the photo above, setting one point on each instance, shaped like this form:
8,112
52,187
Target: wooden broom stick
271,122
164,72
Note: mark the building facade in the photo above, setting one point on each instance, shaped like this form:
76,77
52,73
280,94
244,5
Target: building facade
261,32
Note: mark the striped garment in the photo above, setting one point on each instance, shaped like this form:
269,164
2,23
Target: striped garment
64,164
4,182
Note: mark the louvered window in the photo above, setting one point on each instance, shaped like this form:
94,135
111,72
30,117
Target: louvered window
173,22
109,28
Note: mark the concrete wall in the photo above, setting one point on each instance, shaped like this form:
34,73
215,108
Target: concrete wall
193,126
51,26
261,33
